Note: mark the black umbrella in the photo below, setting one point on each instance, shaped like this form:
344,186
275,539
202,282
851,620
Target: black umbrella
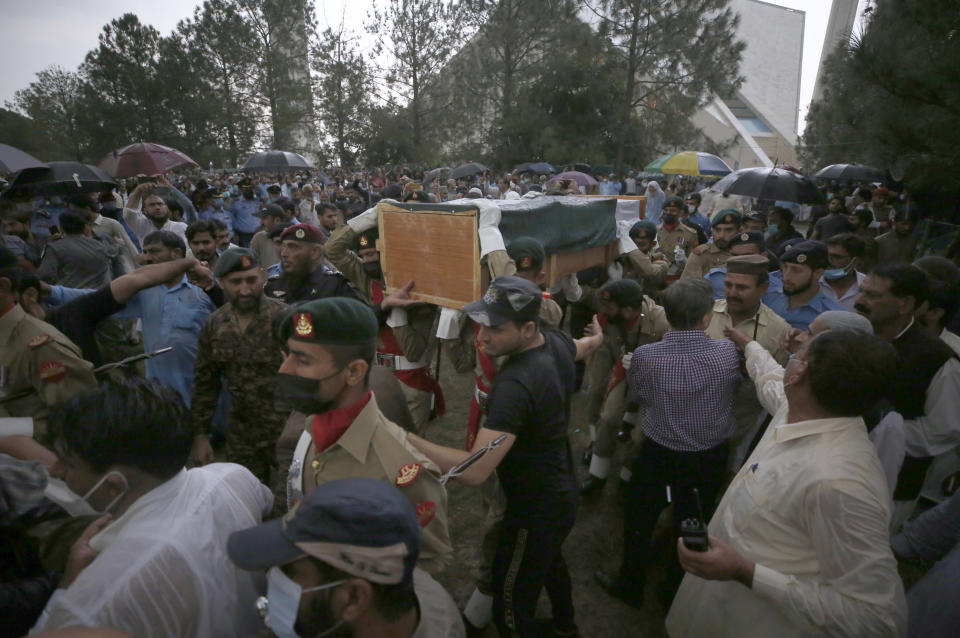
467,169
276,161
13,160
434,174
852,173
770,183
583,168
522,168
60,178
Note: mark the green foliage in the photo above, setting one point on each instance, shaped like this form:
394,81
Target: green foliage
890,100
343,90
52,104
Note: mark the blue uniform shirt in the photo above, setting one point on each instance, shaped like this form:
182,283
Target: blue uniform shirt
222,214
802,316
242,211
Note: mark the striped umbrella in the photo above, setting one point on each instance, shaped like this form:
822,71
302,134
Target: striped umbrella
689,163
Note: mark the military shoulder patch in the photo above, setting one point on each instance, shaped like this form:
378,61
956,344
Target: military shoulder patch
407,474
51,371
38,341
425,511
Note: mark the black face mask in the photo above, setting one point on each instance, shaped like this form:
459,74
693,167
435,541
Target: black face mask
669,219
302,393
373,270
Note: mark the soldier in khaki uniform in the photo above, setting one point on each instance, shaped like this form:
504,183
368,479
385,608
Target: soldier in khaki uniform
630,319
236,343
39,365
745,285
724,226
673,234
404,340
637,256
331,345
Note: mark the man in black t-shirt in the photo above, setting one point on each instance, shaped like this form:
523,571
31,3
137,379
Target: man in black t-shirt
529,403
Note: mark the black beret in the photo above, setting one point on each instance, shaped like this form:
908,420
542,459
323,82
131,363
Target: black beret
234,260
270,210
623,292
754,237
368,238
527,252
332,320
807,253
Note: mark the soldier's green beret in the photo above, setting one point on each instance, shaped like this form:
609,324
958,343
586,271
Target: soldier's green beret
234,260
673,200
726,216
527,252
368,238
333,320
645,226
623,292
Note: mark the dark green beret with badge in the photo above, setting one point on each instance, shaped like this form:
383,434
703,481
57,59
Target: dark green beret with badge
333,321
674,201
235,260
726,216
527,252
368,238
623,292
643,229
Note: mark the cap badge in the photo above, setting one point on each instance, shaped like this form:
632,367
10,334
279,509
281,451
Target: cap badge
303,324
407,474
246,262
299,234
744,237
425,512
364,242
526,263
728,219
490,296
801,258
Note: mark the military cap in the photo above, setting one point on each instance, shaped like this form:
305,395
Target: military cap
361,526
748,237
245,183
527,252
303,232
278,230
756,216
673,200
623,292
726,216
368,238
643,226
270,210
235,260
332,320
807,253
274,188
748,265
507,299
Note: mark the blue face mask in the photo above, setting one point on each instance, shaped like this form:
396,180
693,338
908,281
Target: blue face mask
833,274
773,229
282,603
218,203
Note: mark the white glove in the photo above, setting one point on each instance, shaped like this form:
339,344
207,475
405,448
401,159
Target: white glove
364,221
615,271
451,321
625,360
488,227
569,287
623,233
397,318
532,195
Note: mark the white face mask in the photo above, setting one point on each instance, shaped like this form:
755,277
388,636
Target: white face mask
76,505
282,603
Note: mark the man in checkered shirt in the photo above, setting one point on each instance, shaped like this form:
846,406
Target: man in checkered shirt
686,384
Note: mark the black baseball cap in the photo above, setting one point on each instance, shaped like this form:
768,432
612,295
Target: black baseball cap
507,299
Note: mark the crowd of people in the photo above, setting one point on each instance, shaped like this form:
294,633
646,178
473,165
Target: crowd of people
775,381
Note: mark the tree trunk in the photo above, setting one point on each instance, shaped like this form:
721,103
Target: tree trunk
631,83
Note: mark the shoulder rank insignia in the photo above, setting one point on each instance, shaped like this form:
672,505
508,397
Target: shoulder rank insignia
303,324
407,474
51,371
38,341
425,512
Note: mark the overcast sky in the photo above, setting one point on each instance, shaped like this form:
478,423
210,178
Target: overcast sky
41,33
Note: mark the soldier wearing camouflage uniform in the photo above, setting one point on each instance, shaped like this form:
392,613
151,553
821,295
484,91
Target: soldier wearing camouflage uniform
237,344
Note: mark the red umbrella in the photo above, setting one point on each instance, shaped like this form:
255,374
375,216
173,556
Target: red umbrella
143,158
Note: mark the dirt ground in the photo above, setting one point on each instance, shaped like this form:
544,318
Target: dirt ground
593,544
